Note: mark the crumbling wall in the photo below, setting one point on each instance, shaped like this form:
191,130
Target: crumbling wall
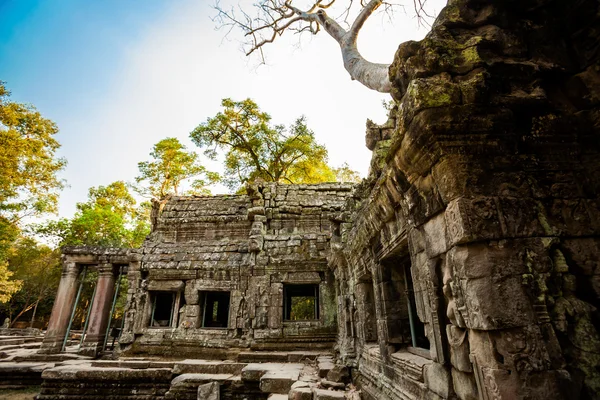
489,184
249,246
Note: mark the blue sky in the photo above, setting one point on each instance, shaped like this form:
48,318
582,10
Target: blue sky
52,48
118,76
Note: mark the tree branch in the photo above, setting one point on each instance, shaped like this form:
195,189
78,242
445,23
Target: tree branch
276,16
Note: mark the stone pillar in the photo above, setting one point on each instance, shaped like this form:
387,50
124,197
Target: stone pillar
62,309
100,313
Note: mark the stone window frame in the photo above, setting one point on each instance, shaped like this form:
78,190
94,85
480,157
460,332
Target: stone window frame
202,296
386,260
317,306
366,281
174,320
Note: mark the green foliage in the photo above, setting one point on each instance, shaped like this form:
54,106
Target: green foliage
255,149
346,174
28,166
28,183
109,218
171,165
8,286
38,269
302,308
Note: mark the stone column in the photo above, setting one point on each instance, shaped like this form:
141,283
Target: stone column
62,309
100,313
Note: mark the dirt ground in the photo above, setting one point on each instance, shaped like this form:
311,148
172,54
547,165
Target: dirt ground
21,394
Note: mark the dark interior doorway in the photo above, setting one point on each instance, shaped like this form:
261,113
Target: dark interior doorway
216,309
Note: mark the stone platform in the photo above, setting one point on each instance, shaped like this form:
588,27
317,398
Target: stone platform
254,376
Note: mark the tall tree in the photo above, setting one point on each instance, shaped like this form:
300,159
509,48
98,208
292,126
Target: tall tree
28,163
257,149
171,165
29,185
38,268
266,20
110,217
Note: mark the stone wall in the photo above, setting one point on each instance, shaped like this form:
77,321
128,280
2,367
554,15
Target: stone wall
249,246
485,194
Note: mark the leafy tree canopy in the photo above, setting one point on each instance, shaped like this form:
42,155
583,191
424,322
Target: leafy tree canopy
38,269
29,186
254,148
28,162
110,217
346,174
171,164
8,286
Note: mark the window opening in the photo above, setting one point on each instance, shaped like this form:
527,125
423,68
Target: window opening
163,305
417,328
215,312
301,302
366,304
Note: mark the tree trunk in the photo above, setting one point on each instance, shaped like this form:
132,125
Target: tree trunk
34,312
372,75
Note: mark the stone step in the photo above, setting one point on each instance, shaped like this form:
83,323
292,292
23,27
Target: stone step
208,367
275,396
262,356
83,381
51,357
133,364
19,375
281,356
210,386
33,345
322,394
253,372
17,341
324,365
280,380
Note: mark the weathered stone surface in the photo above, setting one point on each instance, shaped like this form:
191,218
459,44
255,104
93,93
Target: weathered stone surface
300,390
480,185
464,385
280,379
209,391
339,373
322,394
465,265
438,379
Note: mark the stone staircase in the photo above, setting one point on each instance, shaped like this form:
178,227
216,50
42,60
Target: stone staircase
254,376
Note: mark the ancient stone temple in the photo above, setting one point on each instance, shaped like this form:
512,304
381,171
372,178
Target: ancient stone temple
216,275
466,266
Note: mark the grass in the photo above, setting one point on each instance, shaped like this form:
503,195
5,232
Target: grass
19,394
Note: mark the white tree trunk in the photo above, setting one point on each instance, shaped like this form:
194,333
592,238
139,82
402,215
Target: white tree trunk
372,75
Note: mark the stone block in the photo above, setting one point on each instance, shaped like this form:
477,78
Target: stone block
471,220
497,303
209,391
438,379
280,380
339,373
207,367
459,348
278,397
480,260
325,364
300,393
464,384
434,232
322,394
